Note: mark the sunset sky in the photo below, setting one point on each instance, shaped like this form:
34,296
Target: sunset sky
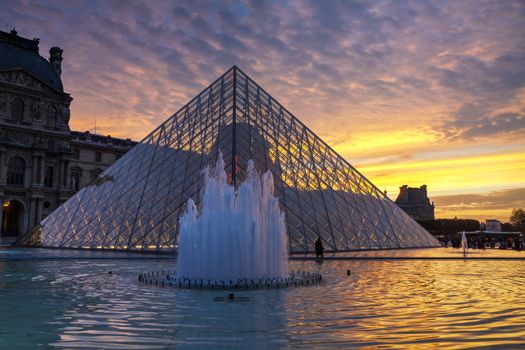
409,92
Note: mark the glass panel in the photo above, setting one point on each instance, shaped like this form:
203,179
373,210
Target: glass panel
136,202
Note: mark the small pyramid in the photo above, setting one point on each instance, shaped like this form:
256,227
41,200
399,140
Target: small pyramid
135,204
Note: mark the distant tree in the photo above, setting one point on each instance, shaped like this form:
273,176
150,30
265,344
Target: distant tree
449,227
517,219
507,227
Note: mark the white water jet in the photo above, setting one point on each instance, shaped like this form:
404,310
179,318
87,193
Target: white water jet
238,234
464,244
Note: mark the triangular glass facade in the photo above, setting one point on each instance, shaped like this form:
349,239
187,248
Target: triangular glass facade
135,204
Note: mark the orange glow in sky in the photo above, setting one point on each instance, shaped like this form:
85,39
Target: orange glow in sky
416,94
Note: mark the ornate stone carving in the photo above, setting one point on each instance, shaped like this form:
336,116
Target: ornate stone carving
37,109
6,76
65,147
40,141
55,58
21,78
19,138
66,114
3,104
3,135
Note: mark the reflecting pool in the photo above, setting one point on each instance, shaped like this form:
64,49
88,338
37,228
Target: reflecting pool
50,298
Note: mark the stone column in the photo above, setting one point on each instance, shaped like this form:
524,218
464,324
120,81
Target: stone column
32,212
38,210
34,178
1,217
3,167
41,171
67,181
26,222
61,179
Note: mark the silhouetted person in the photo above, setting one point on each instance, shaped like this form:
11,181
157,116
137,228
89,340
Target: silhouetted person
509,243
518,244
319,249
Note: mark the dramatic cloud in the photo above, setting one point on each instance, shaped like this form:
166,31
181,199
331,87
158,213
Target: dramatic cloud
383,82
503,123
494,204
492,200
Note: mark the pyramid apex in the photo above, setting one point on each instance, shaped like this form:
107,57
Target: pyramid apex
232,69
236,68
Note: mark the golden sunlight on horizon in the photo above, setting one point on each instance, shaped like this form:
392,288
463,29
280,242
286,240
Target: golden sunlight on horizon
455,176
389,155
398,157
391,142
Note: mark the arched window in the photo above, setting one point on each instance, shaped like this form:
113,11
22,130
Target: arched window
15,171
17,109
52,116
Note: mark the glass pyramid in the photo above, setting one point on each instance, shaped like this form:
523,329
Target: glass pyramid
135,204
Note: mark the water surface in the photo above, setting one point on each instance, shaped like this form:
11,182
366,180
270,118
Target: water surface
405,304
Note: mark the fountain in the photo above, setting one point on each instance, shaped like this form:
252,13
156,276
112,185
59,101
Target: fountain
238,235
238,240
464,244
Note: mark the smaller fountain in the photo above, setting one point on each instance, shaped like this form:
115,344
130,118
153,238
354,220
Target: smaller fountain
464,244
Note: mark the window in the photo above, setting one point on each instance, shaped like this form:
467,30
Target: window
98,157
76,153
117,156
48,176
15,171
17,110
52,116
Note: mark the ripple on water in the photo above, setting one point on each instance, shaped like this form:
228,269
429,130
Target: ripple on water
395,304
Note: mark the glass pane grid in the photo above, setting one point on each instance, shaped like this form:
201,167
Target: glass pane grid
135,203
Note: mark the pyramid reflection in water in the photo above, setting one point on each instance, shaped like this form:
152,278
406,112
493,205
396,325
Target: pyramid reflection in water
135,204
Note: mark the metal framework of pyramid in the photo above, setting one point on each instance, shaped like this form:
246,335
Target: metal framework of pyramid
135,204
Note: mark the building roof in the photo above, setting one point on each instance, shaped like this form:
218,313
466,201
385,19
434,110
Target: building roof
412,195
18,52
86,136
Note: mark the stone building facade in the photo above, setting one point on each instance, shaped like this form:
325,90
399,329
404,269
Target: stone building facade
42,162
414,201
